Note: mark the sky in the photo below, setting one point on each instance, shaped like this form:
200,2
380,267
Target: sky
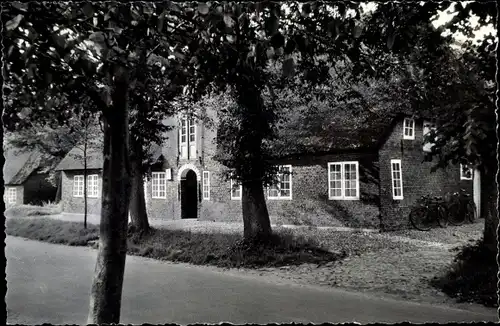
445,16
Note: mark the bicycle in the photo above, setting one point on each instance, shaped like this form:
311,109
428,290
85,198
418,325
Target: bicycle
428,212
461,208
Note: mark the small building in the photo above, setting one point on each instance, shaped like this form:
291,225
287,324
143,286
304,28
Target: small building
367,176
26,178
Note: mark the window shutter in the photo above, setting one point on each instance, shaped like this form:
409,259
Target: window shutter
168,174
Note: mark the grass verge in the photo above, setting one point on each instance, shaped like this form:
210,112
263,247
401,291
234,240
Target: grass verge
53,231
472,277
219,249
33,210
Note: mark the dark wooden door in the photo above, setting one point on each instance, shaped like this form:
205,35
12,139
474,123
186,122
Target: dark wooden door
189,196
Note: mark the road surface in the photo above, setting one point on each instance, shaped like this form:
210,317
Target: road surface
51,283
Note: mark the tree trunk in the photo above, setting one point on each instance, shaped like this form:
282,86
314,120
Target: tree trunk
59,186
256,224
254,128
106,292
488,209
138,213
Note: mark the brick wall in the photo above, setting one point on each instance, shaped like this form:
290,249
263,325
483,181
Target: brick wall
73,204
417,177
309,204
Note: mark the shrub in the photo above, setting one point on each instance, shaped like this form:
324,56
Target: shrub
472,277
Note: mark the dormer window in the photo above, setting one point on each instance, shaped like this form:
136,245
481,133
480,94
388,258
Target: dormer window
408,128
187,138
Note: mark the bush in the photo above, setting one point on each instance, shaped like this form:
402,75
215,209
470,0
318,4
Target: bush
472,277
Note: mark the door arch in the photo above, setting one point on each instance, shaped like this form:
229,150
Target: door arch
189,194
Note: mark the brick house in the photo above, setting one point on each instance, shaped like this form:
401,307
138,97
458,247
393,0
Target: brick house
346,177
26,178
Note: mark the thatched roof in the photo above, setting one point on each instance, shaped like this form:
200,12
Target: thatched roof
20,165
74,159
330,131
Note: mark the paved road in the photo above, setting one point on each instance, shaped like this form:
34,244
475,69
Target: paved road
51,283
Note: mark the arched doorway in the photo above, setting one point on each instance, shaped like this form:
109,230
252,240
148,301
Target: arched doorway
189,195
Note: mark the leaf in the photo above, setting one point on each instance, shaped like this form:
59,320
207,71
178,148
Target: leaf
97,37
179,55
20,6
272,25
228,21
288,67
13,23
203,8
60,40
390,36
277,40
161,19
270,53
173,6
290,46
231,38
356,31
306,9
88,10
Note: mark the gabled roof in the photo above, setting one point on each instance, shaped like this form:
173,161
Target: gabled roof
20,165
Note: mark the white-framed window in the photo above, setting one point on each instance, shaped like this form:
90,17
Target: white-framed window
428,126
236,190
466,172
397,179
282,189
11,195
206,185
159,185
93,185
78,186
187,138
343,180
408,128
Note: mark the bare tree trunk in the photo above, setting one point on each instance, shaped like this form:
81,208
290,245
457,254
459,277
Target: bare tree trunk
59,186
256,223
106,292
137,208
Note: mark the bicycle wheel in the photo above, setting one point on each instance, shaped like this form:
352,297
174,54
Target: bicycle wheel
442,217
421,219
454,215
471,212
